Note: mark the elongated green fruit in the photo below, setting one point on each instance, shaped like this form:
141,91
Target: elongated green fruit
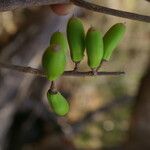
94,47
59,38
76,39
112,38
58,103
54,61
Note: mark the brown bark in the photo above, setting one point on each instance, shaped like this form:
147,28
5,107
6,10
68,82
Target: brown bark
139,134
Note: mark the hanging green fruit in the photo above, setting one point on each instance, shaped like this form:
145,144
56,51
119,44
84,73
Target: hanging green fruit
76,39
112,38
54,62
58,103
58,38
94,48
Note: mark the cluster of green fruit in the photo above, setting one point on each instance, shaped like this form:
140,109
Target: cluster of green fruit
98,49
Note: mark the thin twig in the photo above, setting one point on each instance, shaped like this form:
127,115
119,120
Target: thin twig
109,11
10,5
41,73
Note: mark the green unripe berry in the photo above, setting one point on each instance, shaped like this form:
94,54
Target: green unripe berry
94,47
76,39
59,38
112,38
58,103
54,62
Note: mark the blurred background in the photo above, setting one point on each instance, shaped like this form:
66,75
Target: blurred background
107,113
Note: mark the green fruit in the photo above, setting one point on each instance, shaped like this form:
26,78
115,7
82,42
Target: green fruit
54,62
76,39
94,47
112,38
58,103
58,38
